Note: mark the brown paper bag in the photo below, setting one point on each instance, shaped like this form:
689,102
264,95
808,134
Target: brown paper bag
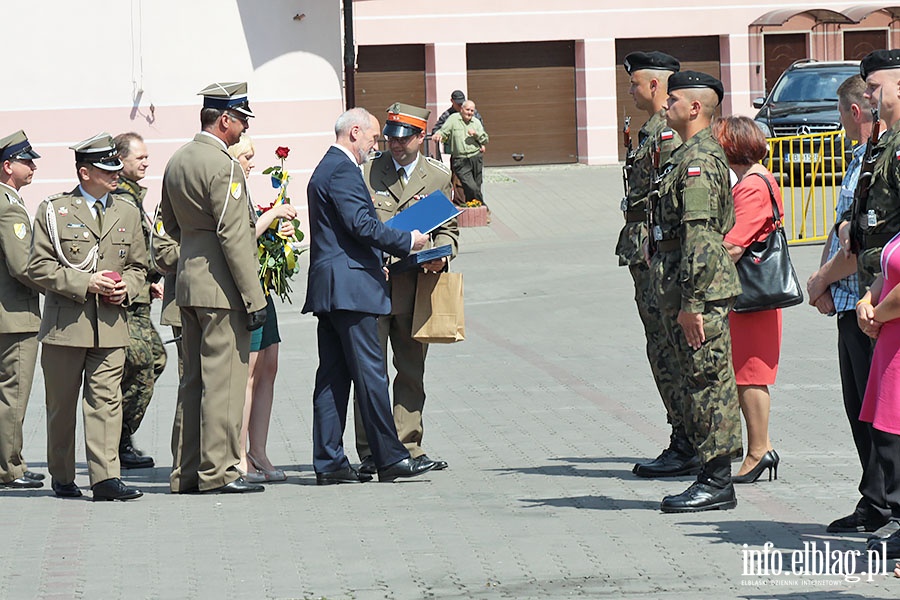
438,313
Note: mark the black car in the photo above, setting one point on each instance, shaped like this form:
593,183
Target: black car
803,102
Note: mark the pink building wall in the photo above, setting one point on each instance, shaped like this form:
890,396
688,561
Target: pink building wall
445,28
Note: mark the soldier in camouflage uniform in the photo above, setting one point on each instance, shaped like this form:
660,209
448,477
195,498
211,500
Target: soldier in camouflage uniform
879,222
696,283
145,356
650,71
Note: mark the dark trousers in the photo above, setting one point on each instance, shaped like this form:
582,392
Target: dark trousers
887,448
470,171
855,358
349,351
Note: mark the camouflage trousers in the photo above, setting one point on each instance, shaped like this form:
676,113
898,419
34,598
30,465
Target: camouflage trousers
145,359
712,411
663,361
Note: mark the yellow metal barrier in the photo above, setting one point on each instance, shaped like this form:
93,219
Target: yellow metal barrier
810,168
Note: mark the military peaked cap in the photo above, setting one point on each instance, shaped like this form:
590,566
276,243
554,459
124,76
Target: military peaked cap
99,151
695,79
404,120
227,96
16,146
650,60
878,61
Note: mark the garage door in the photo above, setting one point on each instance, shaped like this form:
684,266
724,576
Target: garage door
859,43
388,74
526,94
694,53
780,51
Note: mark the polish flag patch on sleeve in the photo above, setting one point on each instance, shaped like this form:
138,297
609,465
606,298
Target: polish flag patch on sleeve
666,135
897,154
693,171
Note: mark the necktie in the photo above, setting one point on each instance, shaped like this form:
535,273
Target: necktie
401,175
98,209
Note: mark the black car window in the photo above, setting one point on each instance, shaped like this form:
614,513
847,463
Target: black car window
809,86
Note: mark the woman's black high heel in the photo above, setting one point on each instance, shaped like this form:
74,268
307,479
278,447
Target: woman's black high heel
768,461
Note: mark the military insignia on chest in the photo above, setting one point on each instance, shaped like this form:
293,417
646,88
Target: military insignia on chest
21,230
236,190
11,200
160,229
73,249
63,211
122,253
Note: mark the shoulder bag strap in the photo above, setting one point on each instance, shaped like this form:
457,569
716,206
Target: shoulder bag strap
776,217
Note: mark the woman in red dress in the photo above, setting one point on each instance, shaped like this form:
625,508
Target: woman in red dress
755,336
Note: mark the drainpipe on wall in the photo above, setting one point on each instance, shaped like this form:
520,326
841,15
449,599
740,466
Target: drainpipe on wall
349,56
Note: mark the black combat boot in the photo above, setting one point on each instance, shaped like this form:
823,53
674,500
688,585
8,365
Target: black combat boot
677,460
713,490
130,457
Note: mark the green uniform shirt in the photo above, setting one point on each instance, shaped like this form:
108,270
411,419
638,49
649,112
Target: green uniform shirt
134,193
654,133
696,208
881,220
457,140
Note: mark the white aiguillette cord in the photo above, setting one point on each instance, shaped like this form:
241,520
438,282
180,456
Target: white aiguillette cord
52,229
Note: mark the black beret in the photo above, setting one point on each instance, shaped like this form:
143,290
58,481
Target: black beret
878,61
695,79
650,60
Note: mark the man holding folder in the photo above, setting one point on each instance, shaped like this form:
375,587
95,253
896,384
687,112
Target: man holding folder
396,181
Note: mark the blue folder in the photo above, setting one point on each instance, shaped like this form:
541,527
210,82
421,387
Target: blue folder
417,259
426,215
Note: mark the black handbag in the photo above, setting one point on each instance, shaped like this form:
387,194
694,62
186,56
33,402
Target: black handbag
767,275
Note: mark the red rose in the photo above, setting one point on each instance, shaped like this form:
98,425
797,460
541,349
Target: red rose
282,152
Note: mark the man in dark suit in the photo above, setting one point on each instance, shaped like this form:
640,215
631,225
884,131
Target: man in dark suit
347,290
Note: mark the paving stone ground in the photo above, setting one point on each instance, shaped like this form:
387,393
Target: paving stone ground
541,413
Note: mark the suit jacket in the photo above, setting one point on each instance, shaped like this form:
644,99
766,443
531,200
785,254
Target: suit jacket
345,262
390,197
206,209
20,310
164,252
71,314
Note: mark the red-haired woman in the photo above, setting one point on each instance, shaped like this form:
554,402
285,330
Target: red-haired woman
755,336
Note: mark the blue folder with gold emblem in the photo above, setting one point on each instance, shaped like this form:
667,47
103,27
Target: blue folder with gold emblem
426,215
417,259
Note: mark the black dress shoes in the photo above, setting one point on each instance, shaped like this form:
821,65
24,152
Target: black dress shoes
699,497
33,476
858,522
22,483
132,458
114,489
368,466
439,465
238,486
408,467
65,490
670,463
345,475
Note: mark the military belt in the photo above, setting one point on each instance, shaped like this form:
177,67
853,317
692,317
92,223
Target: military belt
877,240
668,245
635,216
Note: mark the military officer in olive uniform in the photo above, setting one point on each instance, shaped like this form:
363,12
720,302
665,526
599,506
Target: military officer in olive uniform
649,73
20,313
878,222
396,180
145,356
696,283
89,255
206,209
164,259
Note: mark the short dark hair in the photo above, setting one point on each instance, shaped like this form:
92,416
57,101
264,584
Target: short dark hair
208,116
123,142
741,138
851,92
